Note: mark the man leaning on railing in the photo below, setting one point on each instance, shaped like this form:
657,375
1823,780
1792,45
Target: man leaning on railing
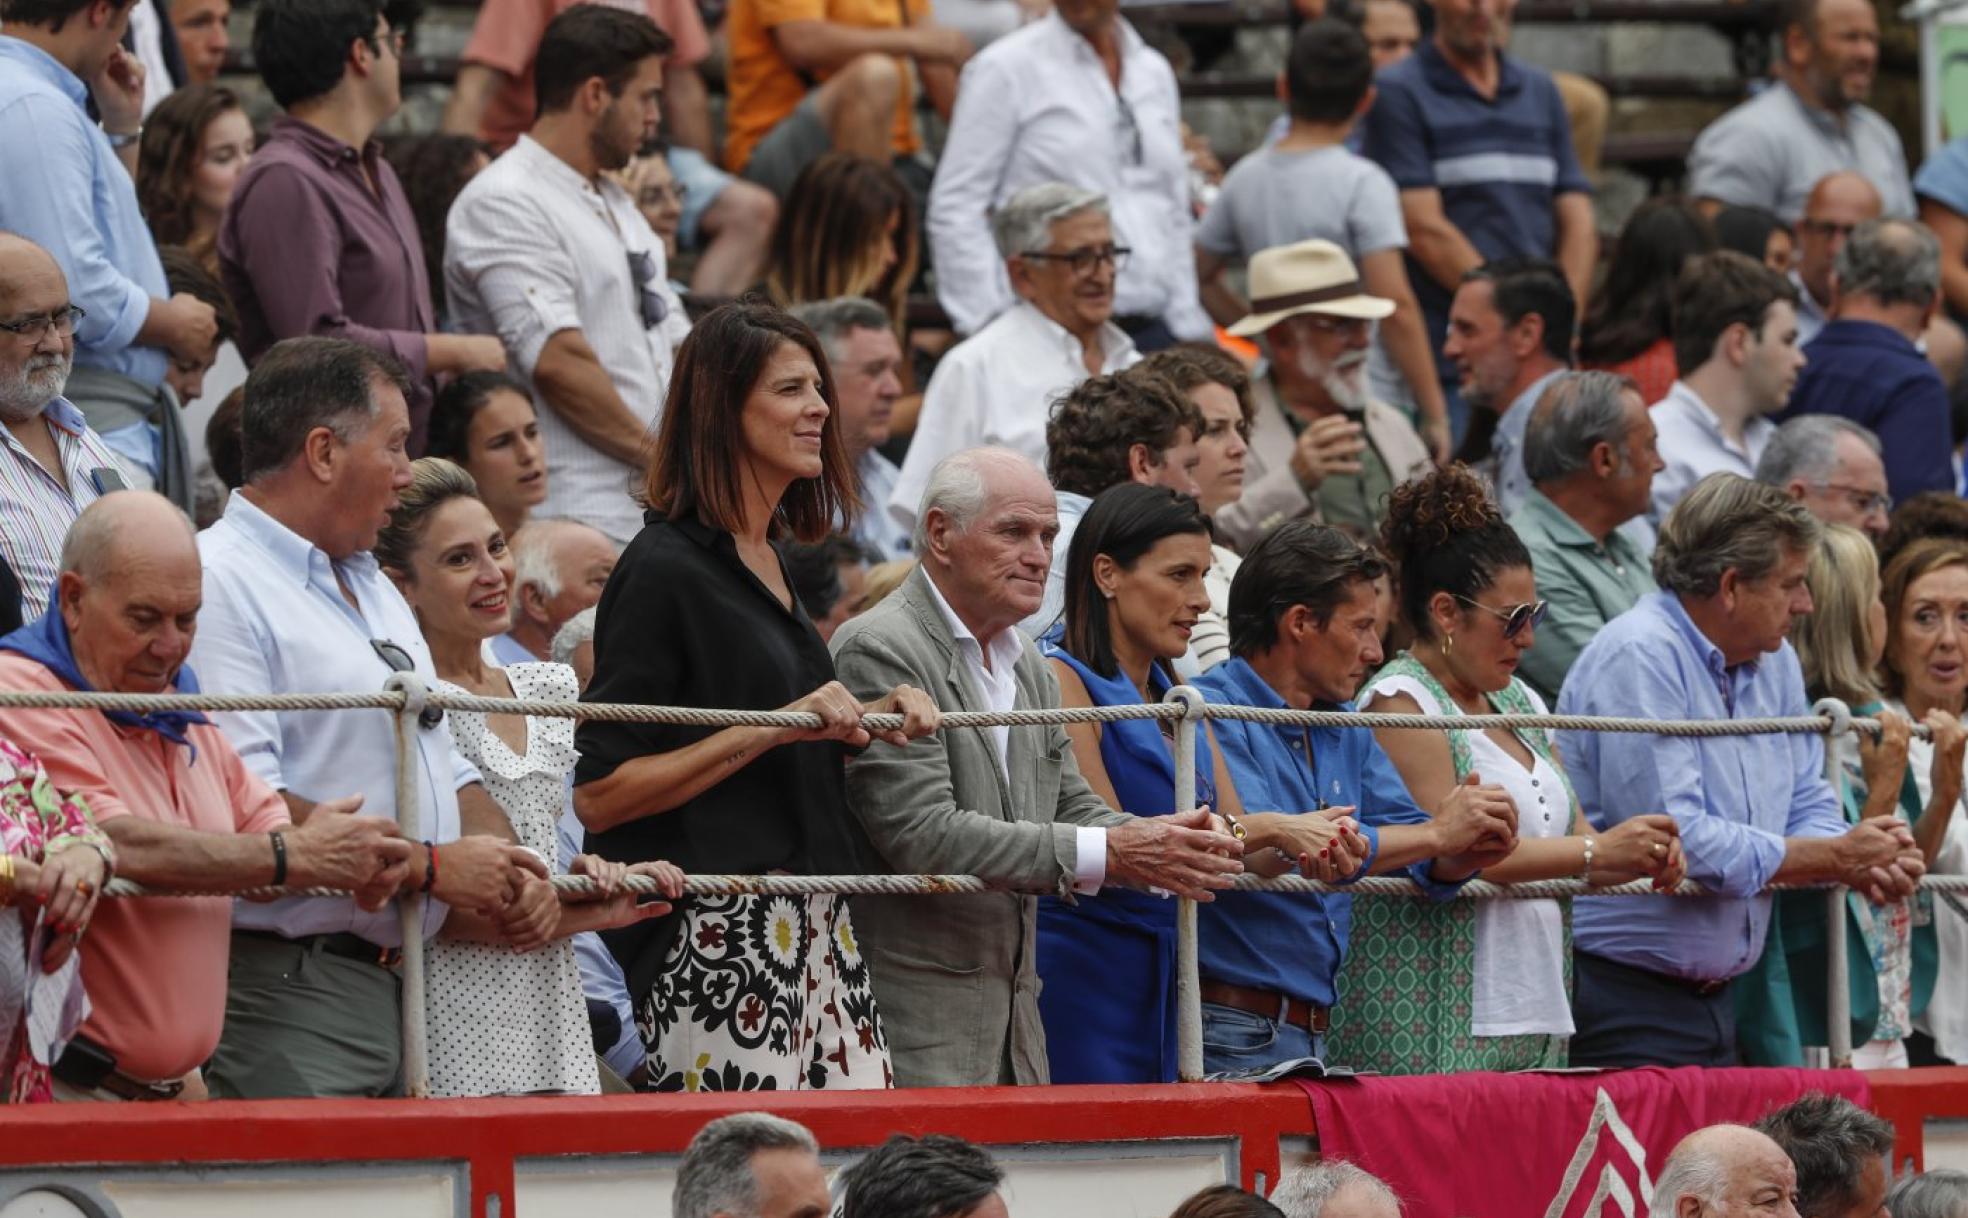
1652,977
170,792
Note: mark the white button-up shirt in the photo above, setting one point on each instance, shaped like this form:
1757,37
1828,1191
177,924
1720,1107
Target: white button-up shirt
35,510
1692,447
275,621
876,529
997,685
533,248
998,388
1037,106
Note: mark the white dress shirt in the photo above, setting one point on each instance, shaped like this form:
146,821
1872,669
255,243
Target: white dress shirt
997,686
998,388
1692,447
1052,610
275,621
1810,314
533,248
876,529
1037,106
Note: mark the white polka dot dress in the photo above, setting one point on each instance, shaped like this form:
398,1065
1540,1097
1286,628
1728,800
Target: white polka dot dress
503,1022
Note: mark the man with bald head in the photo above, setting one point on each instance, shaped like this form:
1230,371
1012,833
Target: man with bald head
1838,203
1769,151
171,793
559,569
51,464
1726,1171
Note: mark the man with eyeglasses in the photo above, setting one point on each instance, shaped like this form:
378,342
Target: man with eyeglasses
1078,97
997,387
547,250
1832,467
319,237
1838,203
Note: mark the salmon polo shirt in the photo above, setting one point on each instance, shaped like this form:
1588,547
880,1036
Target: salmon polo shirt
154,967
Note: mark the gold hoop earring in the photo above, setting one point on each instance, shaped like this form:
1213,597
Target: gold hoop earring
1448,645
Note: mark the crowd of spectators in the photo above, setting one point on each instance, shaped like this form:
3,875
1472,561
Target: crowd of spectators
468,429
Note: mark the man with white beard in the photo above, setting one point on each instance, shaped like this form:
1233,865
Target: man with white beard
1510,335
1320,446
51,465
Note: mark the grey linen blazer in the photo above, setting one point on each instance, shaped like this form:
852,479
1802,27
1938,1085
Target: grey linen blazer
954,977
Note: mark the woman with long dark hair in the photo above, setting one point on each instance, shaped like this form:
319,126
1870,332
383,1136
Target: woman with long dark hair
848,229
741,992
1628,326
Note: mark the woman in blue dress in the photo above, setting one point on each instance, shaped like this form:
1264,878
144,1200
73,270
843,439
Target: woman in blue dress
1134,592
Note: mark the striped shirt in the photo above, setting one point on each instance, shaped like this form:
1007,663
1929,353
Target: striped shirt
533,248
36,510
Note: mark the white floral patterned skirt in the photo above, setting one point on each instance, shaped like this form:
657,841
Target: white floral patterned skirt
764,994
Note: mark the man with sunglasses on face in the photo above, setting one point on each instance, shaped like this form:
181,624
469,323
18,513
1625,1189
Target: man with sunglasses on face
319,237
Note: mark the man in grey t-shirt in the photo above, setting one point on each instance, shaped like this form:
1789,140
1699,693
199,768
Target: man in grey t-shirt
1769,151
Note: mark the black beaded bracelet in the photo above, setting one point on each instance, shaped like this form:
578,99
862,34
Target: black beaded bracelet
279,858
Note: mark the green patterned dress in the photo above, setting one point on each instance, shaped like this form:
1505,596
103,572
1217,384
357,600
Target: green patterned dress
1406,996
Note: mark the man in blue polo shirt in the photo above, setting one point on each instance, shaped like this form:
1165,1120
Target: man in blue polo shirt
1482,152
1304,634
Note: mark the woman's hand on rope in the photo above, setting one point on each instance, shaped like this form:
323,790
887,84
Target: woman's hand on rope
1640,847
1883,758
840,717
1950,737
625,908
607,877
919,715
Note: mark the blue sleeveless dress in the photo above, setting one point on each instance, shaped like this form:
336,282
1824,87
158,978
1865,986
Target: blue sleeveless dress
1107,962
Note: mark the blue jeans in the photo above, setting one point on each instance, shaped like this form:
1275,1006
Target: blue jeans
1239,1040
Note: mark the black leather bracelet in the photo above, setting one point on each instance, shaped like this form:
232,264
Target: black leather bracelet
279,858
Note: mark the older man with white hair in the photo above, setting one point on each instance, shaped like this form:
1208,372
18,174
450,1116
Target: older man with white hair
751,1165
956,978
559,569
1334,1188
997,388
1833,467
1726,1171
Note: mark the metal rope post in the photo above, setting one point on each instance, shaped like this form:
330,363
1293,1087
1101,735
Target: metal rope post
1188,991
410,906
1838,993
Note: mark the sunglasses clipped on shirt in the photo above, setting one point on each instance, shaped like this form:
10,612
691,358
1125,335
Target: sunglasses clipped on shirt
399,660
1517,618
649,294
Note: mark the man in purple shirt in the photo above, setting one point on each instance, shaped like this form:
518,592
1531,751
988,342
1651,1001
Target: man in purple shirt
319,238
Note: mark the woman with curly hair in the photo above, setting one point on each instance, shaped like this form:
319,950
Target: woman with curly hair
1475,985
195,147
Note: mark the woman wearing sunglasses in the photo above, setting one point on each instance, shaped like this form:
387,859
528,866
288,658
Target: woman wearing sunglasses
1481,985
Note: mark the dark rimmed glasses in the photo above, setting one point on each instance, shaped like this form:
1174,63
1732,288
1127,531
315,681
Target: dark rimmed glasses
1517,618
400,660
61,321
1082,261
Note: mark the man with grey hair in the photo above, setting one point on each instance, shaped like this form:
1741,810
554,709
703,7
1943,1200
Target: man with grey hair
1726,1171
997,387
751,1165
1840,1151
1865,366
1334,1188
1589,452
51,464
559,568
956,978
573,645
867,364
1832,466
1652,979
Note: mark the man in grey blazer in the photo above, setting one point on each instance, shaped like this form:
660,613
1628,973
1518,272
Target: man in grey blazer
955,977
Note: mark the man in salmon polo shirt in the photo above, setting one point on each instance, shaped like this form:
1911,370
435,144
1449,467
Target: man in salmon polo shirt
171,793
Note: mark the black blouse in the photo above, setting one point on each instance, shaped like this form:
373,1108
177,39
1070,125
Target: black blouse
684,622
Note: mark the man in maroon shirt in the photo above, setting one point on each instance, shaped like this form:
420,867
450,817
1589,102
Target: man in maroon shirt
319,238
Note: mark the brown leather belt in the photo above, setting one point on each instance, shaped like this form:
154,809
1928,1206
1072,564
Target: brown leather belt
1294,1012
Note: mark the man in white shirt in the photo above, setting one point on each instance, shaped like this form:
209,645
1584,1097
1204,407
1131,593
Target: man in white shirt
1510,334
549,253
866,362
998,387
295,603
1735,340
1077,97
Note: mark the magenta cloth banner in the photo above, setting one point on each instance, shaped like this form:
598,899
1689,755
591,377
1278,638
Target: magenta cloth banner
1562,1145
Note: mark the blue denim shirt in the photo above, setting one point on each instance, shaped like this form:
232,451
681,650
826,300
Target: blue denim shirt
1735,798
1289,943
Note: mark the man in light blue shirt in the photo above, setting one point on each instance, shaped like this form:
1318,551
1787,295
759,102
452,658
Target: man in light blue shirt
69,189
1510,335
1652,976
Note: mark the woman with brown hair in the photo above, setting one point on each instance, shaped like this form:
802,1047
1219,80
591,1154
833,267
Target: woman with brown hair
195,147
849,229
741,992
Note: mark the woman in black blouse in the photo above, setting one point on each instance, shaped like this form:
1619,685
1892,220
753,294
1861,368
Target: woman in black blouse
737,993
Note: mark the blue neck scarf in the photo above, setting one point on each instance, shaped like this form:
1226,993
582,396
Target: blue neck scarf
46,640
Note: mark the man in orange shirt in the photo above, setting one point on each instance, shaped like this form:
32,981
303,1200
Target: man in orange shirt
171,793
813,76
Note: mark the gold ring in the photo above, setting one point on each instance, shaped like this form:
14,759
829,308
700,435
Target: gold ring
84,887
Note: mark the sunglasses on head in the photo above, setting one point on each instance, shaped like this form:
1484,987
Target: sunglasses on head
1517,618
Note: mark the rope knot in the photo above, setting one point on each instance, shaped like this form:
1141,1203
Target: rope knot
1837,712
1188,697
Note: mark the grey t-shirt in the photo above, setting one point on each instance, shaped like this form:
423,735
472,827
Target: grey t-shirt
1273,198
1772,149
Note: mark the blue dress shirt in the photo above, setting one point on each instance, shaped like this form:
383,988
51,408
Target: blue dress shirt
1735,798
1289,943
66,191
1871,374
